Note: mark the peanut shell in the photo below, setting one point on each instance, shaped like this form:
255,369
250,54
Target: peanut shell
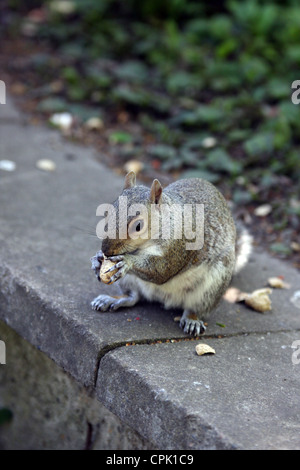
259,300
104,275
204,349
278,283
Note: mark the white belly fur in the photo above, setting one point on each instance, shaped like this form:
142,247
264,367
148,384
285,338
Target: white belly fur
185,290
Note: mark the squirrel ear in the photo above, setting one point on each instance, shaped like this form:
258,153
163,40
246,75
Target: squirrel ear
130,180
155,192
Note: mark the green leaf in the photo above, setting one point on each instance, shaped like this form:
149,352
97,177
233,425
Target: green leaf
71,75
196,141
259,144
162,151
227,47
280,249
268,179
221,26
131,96
159,102
76,92
221,325
120,137
279,88
83,112
291,112
172,164
203,114
188,156
254,69
237,135
183,82
241,196
219,160
133,71
52,105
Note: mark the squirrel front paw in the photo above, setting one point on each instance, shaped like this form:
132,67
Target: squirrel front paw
120,265
97,260
105,302
191,324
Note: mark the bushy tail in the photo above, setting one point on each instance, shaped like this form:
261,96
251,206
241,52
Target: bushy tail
243,247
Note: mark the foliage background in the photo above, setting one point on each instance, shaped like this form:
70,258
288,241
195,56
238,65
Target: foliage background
207,86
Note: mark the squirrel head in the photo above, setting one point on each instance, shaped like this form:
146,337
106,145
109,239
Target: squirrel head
132,217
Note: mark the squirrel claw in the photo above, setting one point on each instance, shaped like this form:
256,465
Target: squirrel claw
116,258
192,327
99,256
120,273
119,265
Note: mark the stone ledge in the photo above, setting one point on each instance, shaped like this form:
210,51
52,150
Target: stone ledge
50,409
246,396
46,288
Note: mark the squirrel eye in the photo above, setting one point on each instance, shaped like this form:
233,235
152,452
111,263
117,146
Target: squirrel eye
139,225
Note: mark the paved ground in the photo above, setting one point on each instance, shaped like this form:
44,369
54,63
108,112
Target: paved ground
244,396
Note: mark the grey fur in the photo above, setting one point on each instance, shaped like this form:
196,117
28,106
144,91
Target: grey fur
163,270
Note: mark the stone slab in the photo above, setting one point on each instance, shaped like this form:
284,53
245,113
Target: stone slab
246,396
51,410
9,112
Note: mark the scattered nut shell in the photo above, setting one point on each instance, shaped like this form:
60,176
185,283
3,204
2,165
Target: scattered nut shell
177,318
278,283
62,120
263,210
295,246
232,295
204,349
62,7
209,142
295,299
7,165
259,300
134,165
104,275
94,123
46,165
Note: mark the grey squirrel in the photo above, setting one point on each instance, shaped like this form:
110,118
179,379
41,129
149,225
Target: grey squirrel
162,268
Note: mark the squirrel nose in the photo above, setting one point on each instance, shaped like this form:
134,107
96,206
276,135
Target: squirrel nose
107,249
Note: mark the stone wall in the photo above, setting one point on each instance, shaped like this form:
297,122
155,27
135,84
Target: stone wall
50,409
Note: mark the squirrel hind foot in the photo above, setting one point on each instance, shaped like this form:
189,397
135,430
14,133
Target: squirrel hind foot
191,324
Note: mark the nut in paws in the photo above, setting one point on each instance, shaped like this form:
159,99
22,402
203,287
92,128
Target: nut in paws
107,271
